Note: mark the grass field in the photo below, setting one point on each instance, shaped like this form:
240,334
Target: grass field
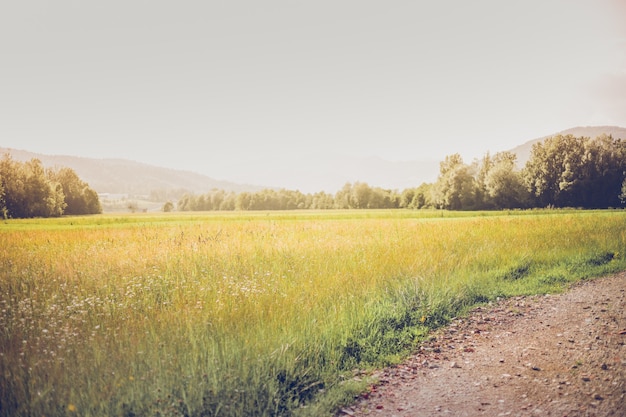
264,314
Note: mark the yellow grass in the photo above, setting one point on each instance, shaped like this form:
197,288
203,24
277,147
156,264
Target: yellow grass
254,314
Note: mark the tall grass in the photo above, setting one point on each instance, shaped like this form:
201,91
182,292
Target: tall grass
257,314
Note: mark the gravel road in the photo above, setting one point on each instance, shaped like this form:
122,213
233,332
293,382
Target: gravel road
554,355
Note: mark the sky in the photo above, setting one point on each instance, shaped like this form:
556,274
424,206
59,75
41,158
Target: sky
235,89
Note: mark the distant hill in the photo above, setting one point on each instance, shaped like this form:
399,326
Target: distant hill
126,177
318,173
122,176
523,151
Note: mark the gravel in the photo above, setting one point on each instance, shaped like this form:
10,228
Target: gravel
549,355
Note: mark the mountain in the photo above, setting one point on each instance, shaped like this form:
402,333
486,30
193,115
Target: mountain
523,151
309,175
126,177
317,173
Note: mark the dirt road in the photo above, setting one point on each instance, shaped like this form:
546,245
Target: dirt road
556,355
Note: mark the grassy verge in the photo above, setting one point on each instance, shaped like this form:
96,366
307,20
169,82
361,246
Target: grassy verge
258,314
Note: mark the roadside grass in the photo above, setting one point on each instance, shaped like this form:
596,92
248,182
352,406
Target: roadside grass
267,314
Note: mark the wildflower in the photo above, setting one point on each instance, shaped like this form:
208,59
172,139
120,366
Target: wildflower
71,408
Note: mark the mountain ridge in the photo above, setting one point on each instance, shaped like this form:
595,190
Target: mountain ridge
524,150
121,176
130,178
125,176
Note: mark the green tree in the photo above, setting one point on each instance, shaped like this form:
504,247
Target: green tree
322,201
92,201
13,177
183,203
28,191
3,207
422,197
361,195
543,173
483,167
577,172
600,176
229,202
406,197
243,200
503,185
455,188
79,197
343,197
44,195
217,197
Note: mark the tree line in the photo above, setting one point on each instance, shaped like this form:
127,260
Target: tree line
27,189
563,171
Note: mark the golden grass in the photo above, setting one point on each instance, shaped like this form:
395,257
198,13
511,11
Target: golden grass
252,314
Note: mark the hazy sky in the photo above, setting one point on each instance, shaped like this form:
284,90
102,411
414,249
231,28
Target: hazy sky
217,86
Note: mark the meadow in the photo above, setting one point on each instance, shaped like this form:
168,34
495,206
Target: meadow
264,314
